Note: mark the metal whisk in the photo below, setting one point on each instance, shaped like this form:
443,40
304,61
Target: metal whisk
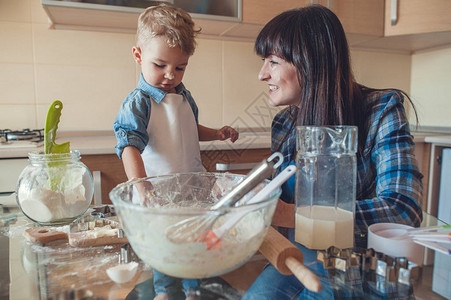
194,228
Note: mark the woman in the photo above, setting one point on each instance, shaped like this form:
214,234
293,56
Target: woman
306,65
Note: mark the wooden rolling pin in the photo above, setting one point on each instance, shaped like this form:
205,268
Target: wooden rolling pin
288,259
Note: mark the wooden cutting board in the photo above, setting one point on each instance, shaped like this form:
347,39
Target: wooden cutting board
88,238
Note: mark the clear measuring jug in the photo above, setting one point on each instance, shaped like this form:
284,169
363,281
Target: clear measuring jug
325,186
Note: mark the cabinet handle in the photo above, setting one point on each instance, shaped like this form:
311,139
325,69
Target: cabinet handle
329,3
230,167
439,159
97,178
394,12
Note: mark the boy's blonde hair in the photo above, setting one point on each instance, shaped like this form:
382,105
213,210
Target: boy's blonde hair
173,23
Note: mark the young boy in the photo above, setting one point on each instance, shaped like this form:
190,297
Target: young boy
157,126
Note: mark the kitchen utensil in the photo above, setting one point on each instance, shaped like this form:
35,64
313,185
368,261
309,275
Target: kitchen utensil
51,126
325,190
195,228
126,269
434,246
85,232
288,259
443,237
429,228
123,272
432,237
213,236
392,239
50,147
176,197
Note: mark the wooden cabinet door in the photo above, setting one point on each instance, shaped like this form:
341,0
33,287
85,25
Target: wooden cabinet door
261,11
357,16
360,17
418,16
111,172
245,158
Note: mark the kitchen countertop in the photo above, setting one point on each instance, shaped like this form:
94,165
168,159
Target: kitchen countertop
34,271
103,142
41,272
421,137
92,143
440,139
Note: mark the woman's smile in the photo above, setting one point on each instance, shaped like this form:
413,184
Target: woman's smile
282,80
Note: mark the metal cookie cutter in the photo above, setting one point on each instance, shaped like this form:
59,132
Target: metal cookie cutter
103,211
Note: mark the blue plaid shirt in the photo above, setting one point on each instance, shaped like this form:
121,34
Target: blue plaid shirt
389,187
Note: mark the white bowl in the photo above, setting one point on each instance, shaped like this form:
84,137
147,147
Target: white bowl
392,239
123,272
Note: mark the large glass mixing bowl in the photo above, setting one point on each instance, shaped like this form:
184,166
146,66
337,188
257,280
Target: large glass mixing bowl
149,208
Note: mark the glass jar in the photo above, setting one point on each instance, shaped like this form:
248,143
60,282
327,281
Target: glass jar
325,186
54,189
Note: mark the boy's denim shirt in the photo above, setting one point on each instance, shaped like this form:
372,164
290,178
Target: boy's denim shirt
130,125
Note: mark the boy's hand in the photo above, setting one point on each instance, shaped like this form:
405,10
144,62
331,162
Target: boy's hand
227,132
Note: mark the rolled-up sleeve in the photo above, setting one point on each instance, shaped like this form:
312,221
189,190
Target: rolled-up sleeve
130,125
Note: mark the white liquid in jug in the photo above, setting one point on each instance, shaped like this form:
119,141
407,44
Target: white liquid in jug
323,227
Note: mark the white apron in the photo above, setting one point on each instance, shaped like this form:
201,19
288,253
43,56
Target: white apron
173,138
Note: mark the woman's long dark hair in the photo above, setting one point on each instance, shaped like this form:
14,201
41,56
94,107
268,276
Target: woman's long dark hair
313,40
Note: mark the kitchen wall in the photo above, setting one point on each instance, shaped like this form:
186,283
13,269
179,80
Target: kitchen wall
92,72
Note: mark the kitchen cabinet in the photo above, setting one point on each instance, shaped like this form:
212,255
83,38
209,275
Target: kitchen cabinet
422,155
110,170
357,17
417,16
261,11
437,145
238,161
360,17
414,25
68,15
419,24
102,16
429,152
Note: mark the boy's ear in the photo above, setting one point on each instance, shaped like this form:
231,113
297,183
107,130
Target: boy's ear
137,54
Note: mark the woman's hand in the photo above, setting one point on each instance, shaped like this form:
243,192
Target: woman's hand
227,132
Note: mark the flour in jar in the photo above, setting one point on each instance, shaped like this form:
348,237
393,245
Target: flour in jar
41,203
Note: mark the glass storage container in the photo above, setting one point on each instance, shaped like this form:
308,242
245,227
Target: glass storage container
54,189
325,186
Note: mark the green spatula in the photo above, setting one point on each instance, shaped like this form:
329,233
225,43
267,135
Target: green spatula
51,126
50,147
